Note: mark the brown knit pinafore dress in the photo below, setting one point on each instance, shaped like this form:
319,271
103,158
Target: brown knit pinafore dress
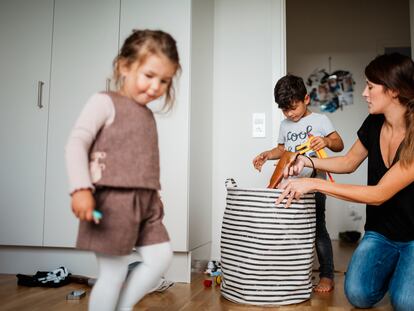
124,167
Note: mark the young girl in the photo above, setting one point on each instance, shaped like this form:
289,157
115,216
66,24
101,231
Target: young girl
113,167
384,259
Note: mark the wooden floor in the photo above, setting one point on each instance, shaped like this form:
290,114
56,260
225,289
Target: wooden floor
183,297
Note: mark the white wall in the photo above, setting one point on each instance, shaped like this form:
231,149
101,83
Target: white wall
352,33
248,58
201,114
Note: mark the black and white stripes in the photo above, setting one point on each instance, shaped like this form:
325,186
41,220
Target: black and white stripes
266,250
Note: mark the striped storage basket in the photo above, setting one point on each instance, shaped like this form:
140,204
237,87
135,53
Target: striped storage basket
266,250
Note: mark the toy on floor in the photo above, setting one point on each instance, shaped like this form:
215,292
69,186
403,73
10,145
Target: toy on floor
214,271
213,268
217,280
207,283
56,278
76,295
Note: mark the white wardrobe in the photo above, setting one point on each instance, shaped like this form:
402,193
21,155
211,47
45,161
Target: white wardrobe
25,64
54,54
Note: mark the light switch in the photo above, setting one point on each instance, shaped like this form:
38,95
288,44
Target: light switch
259,125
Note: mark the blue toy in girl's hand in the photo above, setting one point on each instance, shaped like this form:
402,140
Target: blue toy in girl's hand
97,216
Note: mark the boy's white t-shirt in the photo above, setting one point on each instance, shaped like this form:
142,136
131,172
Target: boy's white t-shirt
293,134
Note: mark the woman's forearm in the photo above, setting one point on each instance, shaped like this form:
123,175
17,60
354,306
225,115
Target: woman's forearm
355,193
396,179
342,164
338,165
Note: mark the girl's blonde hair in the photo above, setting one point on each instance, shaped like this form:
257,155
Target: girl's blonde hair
143,43
396,72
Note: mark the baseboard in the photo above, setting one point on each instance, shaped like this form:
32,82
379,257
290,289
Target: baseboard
29,260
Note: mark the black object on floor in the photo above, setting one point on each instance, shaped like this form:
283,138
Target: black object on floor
55,278
349,236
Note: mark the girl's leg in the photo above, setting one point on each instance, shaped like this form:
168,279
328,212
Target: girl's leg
105,292
402,281
155,261
323,247
370,270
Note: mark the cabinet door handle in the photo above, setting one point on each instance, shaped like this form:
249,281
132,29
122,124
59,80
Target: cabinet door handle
39,94
108,85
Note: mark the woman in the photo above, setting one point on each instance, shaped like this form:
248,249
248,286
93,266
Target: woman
384,259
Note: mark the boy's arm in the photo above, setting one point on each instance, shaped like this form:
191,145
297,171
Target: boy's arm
272,154
334,142
276,152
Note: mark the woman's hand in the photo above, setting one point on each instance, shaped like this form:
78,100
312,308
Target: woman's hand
294,167
295,188
83,204
259,160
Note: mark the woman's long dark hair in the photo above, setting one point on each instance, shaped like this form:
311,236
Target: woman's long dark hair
396,72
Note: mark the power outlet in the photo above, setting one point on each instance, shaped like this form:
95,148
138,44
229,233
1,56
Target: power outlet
258,125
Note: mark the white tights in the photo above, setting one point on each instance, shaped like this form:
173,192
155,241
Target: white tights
111,291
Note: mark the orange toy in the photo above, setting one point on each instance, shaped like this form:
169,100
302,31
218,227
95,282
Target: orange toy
286,158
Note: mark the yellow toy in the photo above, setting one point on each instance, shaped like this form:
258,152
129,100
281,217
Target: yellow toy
217,280
321,153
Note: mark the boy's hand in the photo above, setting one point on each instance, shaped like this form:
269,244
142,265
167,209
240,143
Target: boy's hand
259,160
83,204
318,143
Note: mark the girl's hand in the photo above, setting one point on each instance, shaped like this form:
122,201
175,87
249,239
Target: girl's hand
295,188
83,204
318,143
259,160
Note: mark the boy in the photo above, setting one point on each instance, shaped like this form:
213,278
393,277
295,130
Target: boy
291,96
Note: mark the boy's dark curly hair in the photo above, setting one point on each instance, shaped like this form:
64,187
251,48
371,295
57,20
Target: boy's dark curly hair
288,90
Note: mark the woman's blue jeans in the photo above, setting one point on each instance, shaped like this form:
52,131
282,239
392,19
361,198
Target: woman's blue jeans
379,265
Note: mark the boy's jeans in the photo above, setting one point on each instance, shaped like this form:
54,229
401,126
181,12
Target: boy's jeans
323,241
379,265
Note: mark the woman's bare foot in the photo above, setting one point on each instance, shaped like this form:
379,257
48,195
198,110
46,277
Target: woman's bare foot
325,285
